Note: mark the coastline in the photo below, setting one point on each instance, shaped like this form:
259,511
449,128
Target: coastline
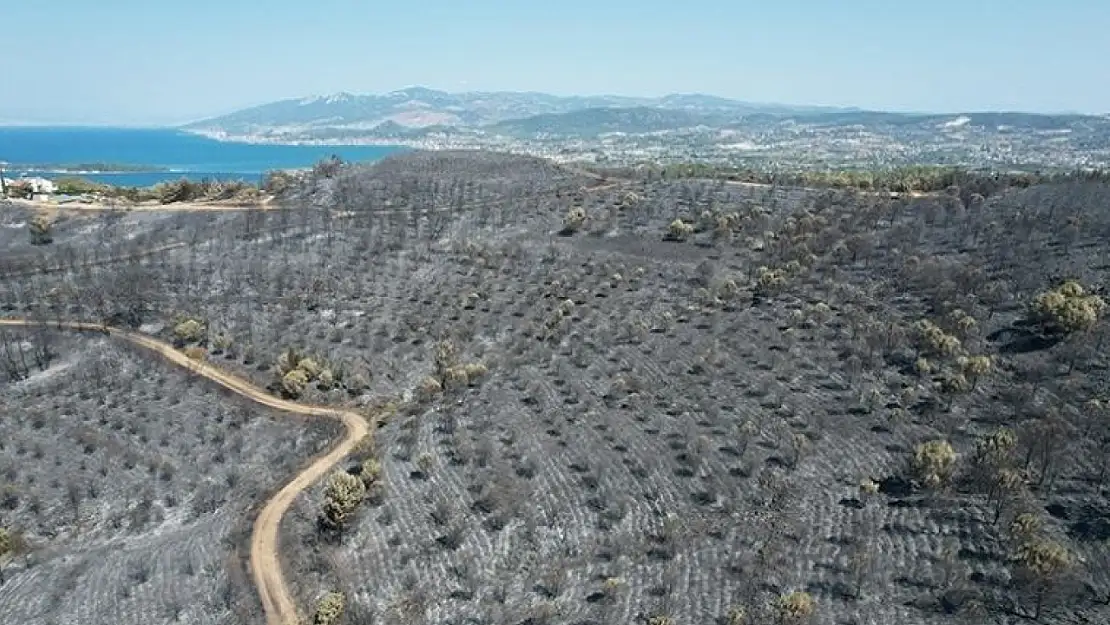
40,170
255,139
142,158
431,143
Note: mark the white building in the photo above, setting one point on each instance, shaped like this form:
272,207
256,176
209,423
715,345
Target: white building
41,186
31,187
37,185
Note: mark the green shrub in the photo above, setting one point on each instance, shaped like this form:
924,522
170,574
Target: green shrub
679,230
329,609
1025,526
1041,566
975,367
342,496
181,190
293,383
769,281
1042,557
73,185
737,615
189,330
796,607
934,462
429,388
370,472
573,221
277,182
295,371
41,230
935,340
1068,308
446,356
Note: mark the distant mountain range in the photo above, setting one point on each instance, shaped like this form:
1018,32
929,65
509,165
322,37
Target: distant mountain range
415,109
416,112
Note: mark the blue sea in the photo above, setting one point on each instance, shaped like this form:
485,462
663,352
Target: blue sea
41,151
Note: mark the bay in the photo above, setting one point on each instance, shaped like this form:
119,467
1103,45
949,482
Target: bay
150,156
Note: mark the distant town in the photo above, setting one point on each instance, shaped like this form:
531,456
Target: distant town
678,128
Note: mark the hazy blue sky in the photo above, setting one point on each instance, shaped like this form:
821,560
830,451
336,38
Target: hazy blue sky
163,61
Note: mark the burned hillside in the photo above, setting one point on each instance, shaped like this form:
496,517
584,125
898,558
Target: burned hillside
621,398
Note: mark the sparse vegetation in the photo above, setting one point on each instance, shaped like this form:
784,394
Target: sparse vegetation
679,230
329,609
1068,308
934,462
851,395
1042,566
573,221
189,330
185,190
342,497
75,185
40,228
278,183
5,549
919,178
295,371
795,607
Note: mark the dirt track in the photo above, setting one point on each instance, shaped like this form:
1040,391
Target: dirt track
277,603
181,207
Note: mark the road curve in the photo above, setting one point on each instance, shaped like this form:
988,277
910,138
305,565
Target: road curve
277,603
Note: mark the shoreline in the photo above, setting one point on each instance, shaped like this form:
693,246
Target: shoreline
248,139
495,143
39,171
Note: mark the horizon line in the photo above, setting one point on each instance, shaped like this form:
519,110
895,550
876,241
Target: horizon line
180,124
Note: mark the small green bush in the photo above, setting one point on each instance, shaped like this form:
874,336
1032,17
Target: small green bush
1068,308
295,371
41,230
370,472
934,462
73,185
293,383
181,190
342,496
679,230
277,182
795,607
329,609
573,221
189,330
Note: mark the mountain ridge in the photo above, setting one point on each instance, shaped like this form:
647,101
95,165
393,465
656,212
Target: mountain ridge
417,111
419,107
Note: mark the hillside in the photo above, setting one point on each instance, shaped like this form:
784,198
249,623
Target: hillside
602,400
418,107
676,128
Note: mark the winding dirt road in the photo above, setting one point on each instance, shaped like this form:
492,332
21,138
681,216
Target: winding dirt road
277,603
265,204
